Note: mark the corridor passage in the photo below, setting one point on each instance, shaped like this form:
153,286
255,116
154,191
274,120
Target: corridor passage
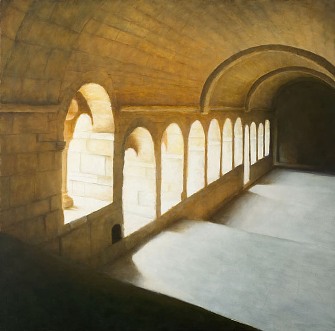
268,261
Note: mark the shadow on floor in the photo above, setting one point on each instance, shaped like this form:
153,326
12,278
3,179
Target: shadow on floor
41,292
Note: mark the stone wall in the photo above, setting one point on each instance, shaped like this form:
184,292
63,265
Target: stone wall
30,175
90,165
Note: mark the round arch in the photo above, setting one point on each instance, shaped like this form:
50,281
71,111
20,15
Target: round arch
254,62
69,90
260,95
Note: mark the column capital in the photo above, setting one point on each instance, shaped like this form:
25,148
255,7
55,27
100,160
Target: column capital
60,145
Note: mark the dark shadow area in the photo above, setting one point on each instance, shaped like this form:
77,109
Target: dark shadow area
41,292
116,233
306,125
125,269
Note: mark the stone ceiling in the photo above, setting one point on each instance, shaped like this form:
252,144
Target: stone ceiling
148,52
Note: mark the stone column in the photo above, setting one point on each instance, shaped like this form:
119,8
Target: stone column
67,201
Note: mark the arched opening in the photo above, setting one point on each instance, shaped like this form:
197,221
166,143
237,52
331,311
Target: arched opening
196,159
88,155
213,152
222,90
246,155
227,146
267,138
116,233
238,142
139,181
172,148
253,143
306,120
260,141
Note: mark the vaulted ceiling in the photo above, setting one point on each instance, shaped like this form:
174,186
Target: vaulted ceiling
155,52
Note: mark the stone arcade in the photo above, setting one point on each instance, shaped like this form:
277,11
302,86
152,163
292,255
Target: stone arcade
119,119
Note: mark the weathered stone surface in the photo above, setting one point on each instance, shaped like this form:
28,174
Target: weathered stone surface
48,183
56,202
38,208
26,163
8,164
101,192
53,222
17,230
12,216
35,229
6,123
76,244
36,123
22,189
93,164
46,161
100,235
20,143
100,146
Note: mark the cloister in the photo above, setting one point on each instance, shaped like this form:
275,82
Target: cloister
121,119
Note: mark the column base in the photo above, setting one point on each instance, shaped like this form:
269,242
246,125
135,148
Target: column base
67,201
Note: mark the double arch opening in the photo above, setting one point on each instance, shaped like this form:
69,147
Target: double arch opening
88,156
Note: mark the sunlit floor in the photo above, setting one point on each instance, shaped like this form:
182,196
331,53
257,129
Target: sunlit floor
82,207
288,204
272,267
134,222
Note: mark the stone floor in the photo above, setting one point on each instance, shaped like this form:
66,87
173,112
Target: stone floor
270,265
82,207
287,204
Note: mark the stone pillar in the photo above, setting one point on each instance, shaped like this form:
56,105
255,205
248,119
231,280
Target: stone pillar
206,158
158,157
67,201
185,167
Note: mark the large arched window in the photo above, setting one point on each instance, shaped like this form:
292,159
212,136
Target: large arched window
88,155
139,181
196,159
213,152
253,143
172,147
267,137
238,142
246,155
260,141
227,146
